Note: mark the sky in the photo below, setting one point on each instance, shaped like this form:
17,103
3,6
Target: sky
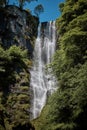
51,9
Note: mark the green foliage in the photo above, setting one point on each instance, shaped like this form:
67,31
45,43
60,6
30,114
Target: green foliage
2,128
61,5
22,2
66,109
11,60
14,87
38,9
3,3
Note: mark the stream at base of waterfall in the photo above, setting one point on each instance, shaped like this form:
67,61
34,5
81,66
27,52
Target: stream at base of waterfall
42,82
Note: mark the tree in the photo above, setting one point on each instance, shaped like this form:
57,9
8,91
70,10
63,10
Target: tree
61,6
10,60
22,2
38,9
4,2
1,3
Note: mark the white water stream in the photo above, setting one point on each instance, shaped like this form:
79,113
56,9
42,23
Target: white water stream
42,83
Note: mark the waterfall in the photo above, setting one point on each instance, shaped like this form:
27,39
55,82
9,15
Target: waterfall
42,82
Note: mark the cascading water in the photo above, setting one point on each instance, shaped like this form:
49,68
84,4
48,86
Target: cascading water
42,82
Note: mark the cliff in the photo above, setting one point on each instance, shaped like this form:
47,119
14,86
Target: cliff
18,30
17,27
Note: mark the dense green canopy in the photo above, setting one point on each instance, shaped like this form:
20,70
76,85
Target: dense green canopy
14,86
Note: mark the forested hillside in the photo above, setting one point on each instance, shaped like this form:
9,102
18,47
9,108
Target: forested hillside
66,109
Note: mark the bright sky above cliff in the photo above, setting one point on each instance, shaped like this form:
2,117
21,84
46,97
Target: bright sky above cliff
51,10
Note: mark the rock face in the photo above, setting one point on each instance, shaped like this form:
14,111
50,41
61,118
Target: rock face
17,27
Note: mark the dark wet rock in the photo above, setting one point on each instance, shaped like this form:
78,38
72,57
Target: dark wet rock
17,27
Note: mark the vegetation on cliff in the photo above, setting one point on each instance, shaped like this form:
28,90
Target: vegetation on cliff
66,109
14,87
18,30
37,10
